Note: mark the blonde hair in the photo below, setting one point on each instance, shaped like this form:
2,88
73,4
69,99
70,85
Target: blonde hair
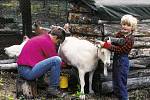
129,20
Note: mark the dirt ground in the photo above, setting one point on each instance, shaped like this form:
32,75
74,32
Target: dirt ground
8,90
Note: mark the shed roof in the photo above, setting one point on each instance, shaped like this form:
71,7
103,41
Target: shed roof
113,10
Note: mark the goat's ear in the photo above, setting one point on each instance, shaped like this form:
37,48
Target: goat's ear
109,40
98,43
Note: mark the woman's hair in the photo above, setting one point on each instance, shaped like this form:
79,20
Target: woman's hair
129,20
59,32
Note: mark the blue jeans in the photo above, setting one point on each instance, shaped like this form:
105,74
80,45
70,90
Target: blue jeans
120,75
50,65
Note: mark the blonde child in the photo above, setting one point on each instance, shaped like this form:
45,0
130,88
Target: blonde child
120,59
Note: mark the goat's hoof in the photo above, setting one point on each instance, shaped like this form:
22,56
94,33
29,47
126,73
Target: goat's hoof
82,97
91,92
92,95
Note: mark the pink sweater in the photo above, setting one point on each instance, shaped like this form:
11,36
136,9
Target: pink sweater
37,49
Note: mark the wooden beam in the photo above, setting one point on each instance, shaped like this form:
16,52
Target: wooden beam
25,6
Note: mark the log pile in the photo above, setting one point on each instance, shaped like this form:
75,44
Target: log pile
139,74
8,64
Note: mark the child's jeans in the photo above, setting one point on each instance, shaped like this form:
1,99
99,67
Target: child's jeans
120,74
50,65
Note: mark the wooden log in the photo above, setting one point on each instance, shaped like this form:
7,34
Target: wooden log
8,32
133,65
133,83
138,63
7,61
132,74
135,53
8,66
26,88
139,44
145,61
145,39
142,34
139,73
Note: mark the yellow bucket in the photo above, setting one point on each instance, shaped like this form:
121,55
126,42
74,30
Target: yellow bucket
63,82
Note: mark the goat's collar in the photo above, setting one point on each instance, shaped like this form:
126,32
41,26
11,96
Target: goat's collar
98,46
98,50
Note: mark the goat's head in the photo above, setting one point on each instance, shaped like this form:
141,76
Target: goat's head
104,55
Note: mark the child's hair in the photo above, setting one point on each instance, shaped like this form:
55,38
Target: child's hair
129,20
59,32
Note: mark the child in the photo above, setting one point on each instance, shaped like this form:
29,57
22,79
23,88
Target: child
121,50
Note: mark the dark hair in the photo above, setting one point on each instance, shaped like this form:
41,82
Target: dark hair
59,32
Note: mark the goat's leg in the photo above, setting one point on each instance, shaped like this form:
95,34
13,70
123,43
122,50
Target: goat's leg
105,70
90,81
82,83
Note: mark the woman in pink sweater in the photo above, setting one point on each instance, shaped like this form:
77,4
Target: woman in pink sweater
39,56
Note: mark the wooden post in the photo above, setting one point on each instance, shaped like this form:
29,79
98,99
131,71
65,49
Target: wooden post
25,6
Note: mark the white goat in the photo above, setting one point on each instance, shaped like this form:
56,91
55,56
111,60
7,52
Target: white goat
15,50
84,55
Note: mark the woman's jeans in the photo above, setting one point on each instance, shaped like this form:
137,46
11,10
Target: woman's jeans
50,65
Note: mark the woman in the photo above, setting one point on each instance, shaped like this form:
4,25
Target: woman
39,56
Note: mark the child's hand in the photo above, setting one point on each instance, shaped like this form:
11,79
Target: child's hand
99,43
107,45
104,44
